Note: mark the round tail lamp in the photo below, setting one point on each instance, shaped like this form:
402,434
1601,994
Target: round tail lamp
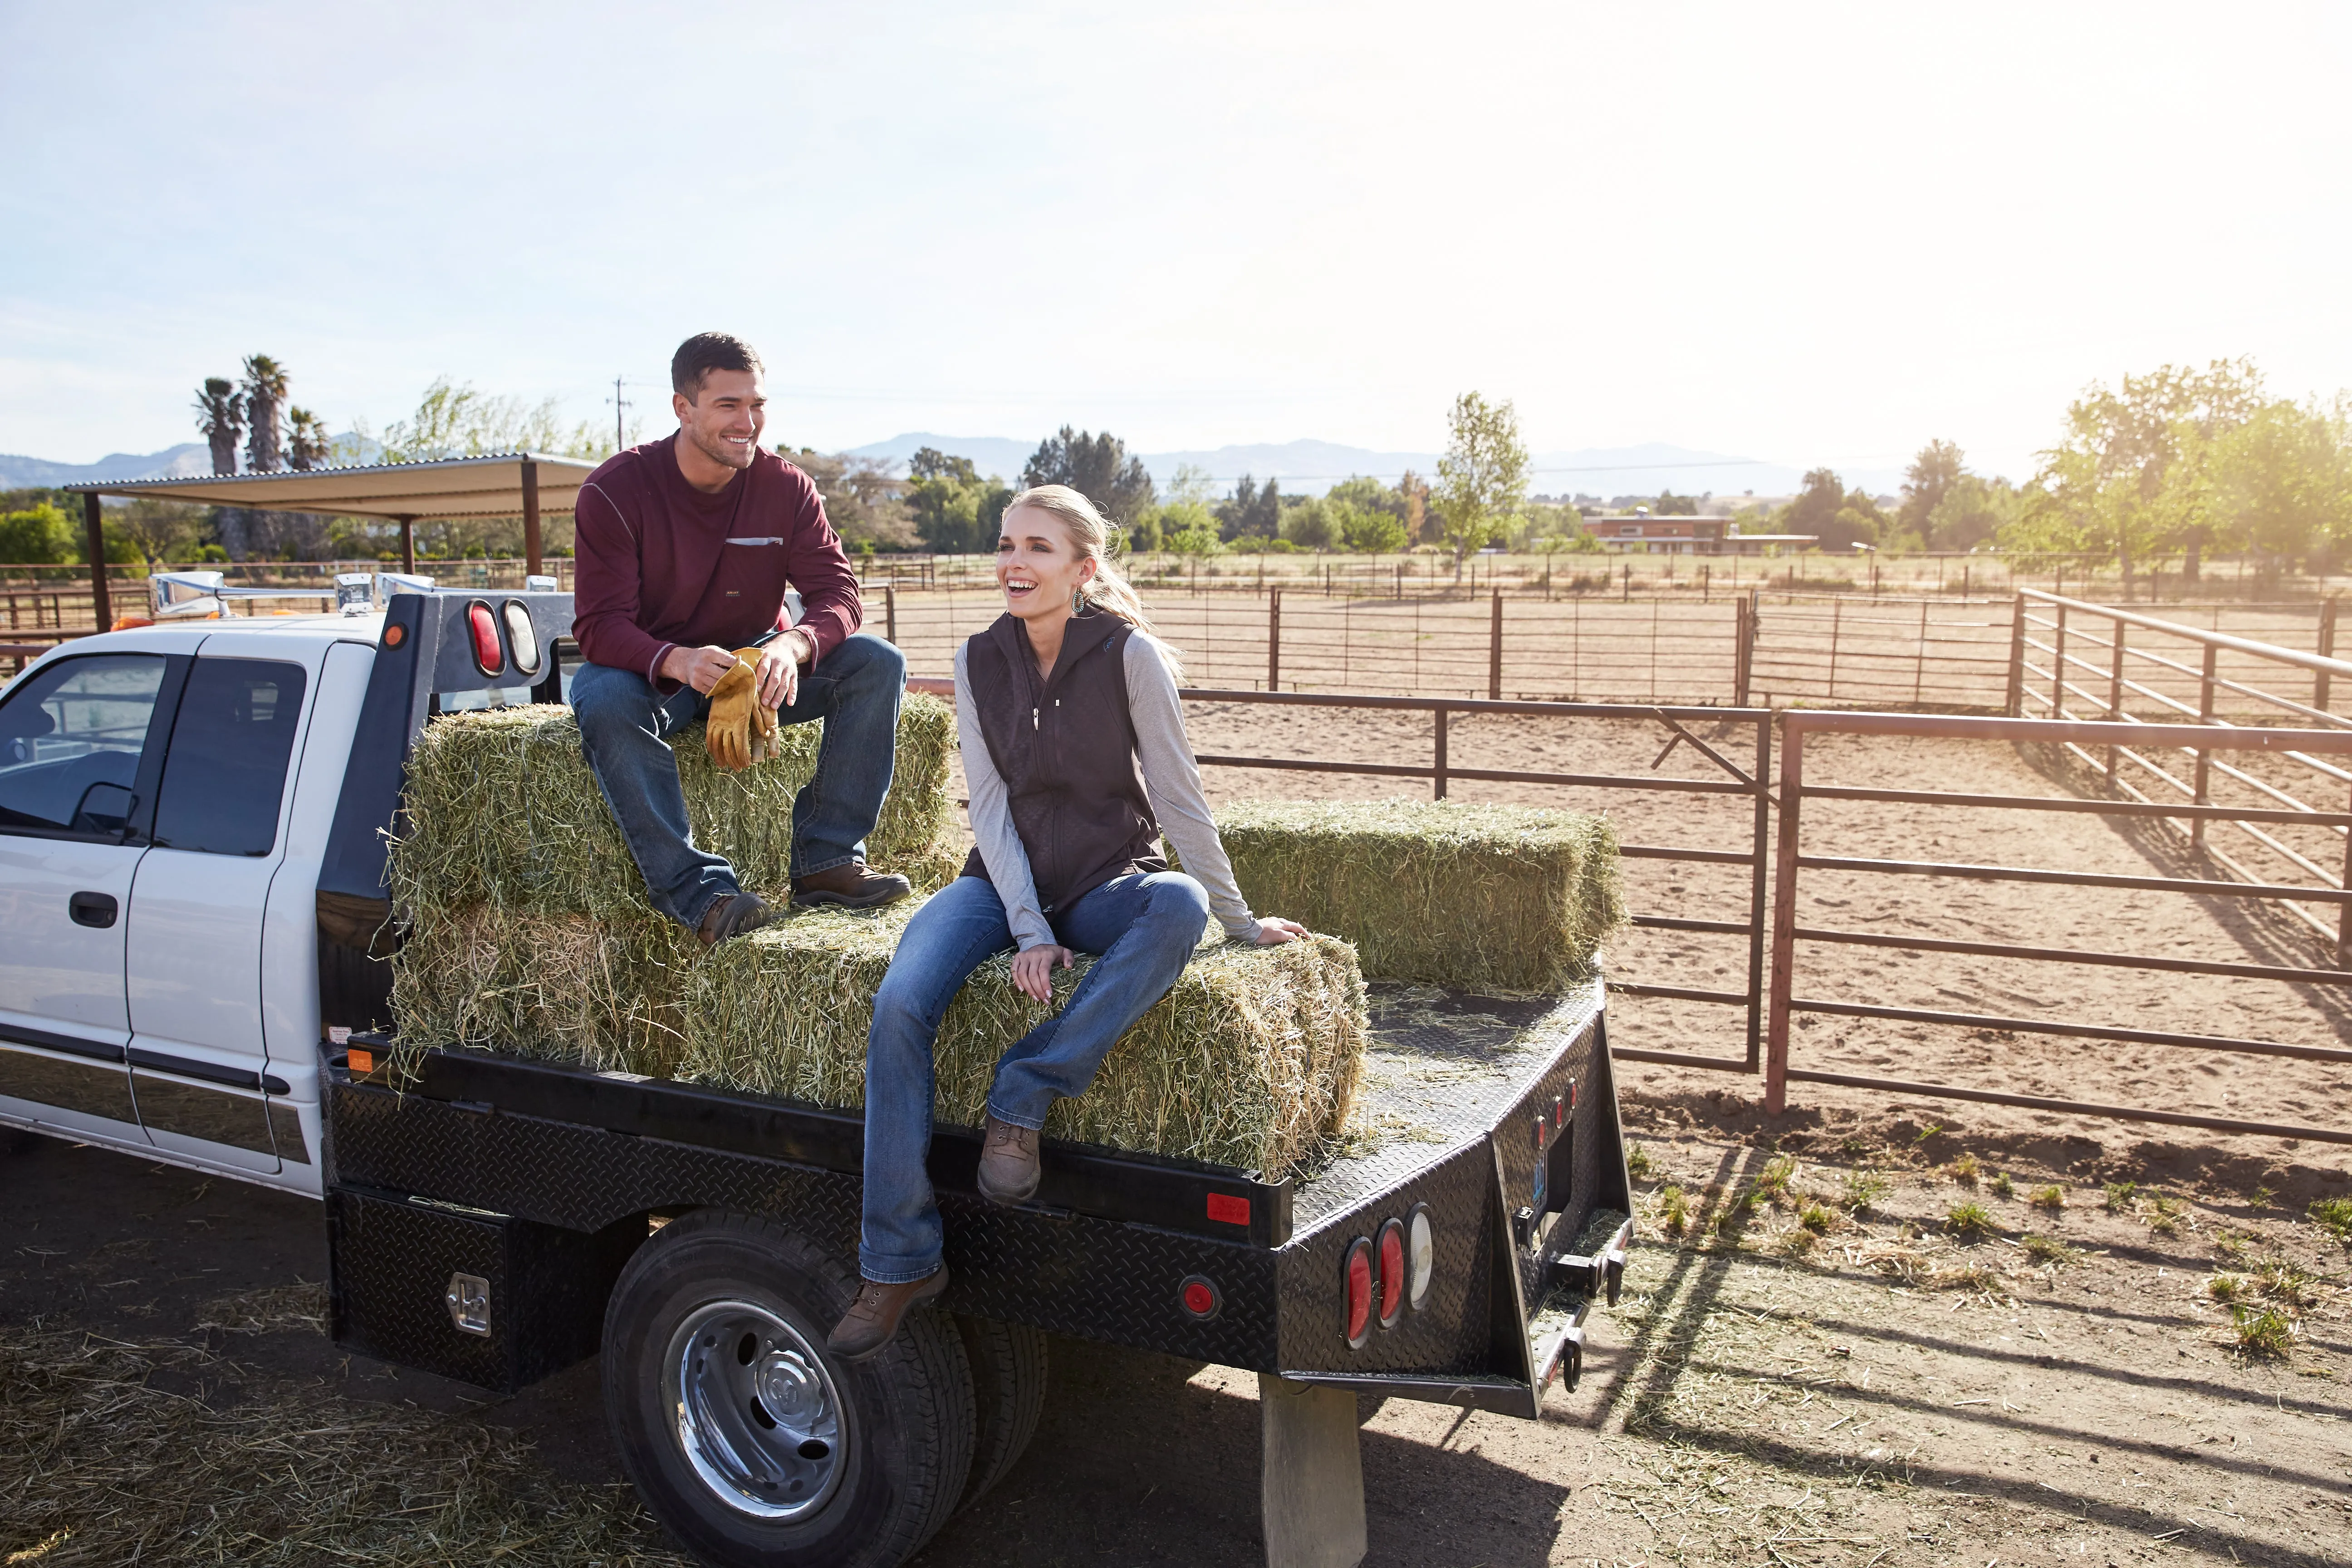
1356,1279
483,630
1392,1276
522,637
1421,1256
1200,1297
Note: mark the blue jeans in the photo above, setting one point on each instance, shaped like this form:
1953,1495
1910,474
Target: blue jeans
1145,926
624,729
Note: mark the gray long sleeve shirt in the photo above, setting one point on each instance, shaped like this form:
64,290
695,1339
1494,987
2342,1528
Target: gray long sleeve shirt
1171,778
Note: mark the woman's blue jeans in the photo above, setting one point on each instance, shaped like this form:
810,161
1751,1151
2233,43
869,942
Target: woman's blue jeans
625,728
1145,926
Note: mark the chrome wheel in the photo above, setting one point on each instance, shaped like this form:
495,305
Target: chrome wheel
755,1411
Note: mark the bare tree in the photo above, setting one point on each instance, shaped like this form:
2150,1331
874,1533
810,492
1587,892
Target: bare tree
220,415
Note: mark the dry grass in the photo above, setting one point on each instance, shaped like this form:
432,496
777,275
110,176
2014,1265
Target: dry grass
161,1452
1481,897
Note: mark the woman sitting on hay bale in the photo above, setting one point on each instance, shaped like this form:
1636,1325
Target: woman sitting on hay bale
1076,761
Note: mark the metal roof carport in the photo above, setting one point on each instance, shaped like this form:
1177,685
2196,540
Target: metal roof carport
501,484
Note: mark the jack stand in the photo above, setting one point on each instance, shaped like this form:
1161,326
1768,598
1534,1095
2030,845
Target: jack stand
1311,1484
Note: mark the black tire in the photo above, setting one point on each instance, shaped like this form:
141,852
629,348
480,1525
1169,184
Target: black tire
1008,1388
882,1447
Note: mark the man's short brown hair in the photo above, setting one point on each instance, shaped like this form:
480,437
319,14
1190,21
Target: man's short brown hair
704,353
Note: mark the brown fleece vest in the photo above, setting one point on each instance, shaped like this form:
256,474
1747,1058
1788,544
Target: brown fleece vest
1066,749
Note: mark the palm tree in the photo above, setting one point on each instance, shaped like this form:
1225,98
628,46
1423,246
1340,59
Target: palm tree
308,446
220,415
265,393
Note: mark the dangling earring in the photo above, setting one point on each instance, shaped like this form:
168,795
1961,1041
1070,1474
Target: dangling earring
1077,602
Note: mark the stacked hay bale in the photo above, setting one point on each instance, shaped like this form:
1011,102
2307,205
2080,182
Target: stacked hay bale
526,925
1480,896
529,932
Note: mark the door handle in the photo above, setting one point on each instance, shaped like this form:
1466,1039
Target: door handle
96,910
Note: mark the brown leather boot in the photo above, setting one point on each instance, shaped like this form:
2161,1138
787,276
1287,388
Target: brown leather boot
874,1316
1008,1162
732,914
850,886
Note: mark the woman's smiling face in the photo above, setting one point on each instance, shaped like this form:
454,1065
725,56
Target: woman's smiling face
1037,565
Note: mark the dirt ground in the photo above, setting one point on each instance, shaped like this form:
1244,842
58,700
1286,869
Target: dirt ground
1834,1362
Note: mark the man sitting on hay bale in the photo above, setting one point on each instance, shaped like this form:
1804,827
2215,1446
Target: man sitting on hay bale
1075,758
686,549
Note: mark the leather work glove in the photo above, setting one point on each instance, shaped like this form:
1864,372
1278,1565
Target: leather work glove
728,734
763,718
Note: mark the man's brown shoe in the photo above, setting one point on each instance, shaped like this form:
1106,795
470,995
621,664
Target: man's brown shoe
874,1316
850,886
1008,1162
732,914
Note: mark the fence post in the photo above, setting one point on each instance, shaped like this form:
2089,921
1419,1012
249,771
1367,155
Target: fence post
890,613
2319,682
100,602
1441,754
1273,640
1784,921
2058,667
1495,651
2204,764
2015,704
1919,659
2343,914
1742,641
2115,692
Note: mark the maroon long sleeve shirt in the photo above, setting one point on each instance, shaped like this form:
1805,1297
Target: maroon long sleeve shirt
662,564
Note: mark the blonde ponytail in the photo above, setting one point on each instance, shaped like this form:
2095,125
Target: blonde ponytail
1090,536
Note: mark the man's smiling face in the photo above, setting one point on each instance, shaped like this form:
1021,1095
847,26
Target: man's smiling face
724,422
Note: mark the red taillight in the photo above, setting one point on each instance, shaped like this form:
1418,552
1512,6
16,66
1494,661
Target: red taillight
1359,1279
1200,1296
489,658
1391,1272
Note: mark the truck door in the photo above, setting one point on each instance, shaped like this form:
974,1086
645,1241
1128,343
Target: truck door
81,743
192,958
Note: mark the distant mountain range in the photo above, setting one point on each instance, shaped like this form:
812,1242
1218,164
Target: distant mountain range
184,461
1310,468
1303,467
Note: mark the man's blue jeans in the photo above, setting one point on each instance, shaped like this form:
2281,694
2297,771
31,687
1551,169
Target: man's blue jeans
625,725
1145,926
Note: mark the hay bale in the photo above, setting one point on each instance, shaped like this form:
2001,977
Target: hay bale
502,810
1480,896
1251,1059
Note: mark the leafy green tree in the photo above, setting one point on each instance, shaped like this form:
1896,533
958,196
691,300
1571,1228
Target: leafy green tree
1368,532
220,415
2280,483
943,497
1368,495
1482,481
1191,483
1669,504
1932,474
2128,479
1251,512
1307,523
1189,529
1839,519
864,501
160,530
1098,468
1969,512
37,536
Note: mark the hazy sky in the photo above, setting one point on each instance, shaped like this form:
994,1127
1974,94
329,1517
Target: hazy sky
1805,234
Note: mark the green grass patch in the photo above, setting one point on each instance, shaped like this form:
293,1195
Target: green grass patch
2334,1216
2049,1198
1970,1220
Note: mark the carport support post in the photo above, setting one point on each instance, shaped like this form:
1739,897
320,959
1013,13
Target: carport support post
409,545
1311,1475
1784,919
101,602
530,518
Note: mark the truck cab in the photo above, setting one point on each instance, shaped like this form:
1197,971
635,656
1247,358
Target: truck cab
167,796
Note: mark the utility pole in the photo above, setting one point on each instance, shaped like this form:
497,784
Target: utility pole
620,416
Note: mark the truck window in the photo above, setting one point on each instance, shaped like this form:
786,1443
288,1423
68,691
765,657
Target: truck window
225,771
70,737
